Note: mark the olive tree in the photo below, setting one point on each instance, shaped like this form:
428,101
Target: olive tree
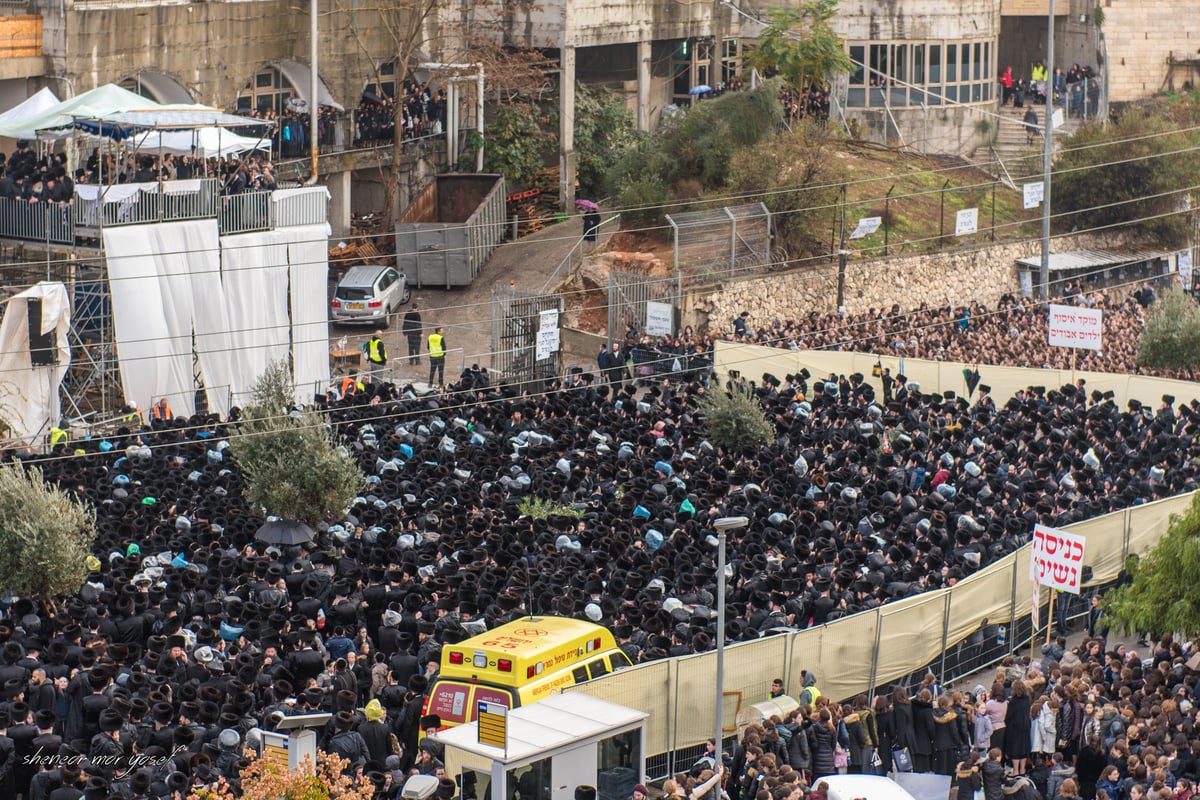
45,535
293,467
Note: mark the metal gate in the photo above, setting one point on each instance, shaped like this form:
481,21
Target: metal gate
516,319
628,294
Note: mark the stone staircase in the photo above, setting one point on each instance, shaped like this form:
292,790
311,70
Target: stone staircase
1020,158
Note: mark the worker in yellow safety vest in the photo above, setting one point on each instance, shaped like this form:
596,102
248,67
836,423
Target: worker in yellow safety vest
60,434
376,351
437,357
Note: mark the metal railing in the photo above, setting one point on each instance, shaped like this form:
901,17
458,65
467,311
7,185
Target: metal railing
247,212
50,223
576,255
307,206
144,203
125,204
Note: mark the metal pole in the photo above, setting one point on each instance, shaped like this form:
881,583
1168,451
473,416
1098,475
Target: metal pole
314,80
993,211
841,292
1047,149
720,709
887,216
723,526
479,118
942,213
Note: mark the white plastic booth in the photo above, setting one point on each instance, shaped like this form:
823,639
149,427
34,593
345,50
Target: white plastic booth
552,746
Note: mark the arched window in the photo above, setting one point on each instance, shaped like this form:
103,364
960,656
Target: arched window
157,87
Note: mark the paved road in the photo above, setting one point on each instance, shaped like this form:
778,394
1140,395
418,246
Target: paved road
466,312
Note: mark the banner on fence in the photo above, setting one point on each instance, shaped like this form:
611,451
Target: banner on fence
966,221
660,318
548,334
866,226
1057,559
1076,327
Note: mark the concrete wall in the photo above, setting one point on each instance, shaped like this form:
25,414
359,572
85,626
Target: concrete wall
938,129
955,277
213,49
918,19
590,23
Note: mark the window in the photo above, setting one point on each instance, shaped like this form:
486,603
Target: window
620,757
858,71
266,91
620,660
597,668
912,74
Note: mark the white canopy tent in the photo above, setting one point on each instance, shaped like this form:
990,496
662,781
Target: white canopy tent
43,100
53,122
202,142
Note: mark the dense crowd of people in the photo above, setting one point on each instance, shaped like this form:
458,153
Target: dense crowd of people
1013,333
1092,723
423,112
189,633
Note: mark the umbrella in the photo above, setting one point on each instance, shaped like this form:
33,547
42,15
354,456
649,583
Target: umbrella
701,89
285,532
587,204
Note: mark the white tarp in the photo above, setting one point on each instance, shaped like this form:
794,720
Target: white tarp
202,142
308,258
254,273
149,269
29,395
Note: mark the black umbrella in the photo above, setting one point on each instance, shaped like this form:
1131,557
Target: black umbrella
285,532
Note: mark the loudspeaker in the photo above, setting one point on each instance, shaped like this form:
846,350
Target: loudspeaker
43,349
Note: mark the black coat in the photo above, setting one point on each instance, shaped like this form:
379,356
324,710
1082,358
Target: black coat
945,732
904,728
1017,722
376,735
823,741
923,728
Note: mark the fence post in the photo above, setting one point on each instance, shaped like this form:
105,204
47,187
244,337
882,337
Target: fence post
945,638
732,242
1012,612
875,652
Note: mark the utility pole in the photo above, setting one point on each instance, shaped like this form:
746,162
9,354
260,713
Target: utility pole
1047,151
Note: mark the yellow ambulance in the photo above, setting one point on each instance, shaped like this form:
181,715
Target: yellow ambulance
519,663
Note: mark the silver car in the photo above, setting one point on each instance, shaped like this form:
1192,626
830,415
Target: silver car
369,294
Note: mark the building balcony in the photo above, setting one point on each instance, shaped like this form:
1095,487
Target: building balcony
94,208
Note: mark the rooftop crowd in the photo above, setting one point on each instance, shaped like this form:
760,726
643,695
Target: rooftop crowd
188,632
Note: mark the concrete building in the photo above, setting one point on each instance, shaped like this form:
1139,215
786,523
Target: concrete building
927,69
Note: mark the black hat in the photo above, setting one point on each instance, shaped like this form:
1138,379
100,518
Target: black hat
985,389
585,792
1169,399
110,720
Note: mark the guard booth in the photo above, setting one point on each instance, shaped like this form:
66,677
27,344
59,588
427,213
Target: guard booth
542,751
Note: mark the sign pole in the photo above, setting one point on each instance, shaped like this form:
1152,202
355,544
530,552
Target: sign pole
1073,350
1050,617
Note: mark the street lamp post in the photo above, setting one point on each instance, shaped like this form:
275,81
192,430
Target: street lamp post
723,526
